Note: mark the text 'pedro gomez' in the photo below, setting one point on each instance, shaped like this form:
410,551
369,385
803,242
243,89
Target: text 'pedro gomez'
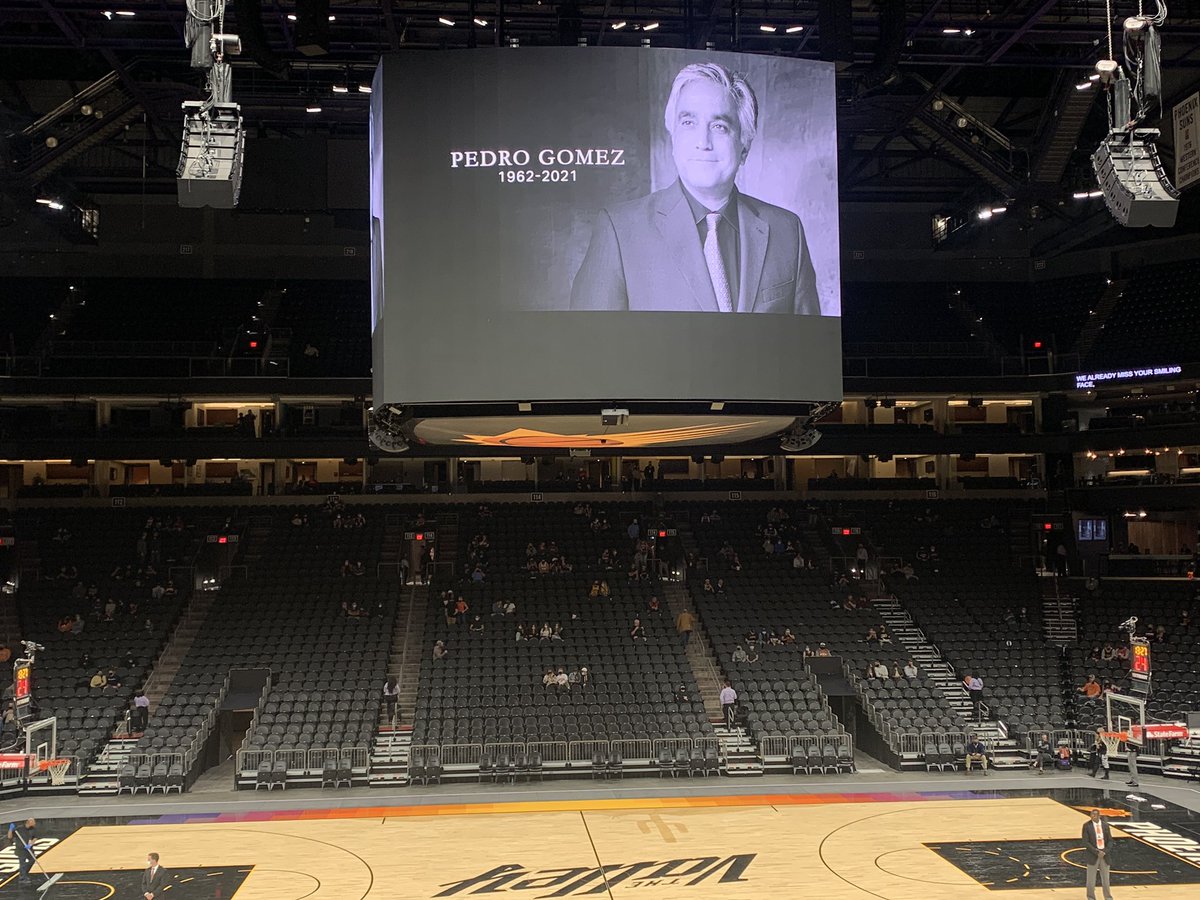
700,245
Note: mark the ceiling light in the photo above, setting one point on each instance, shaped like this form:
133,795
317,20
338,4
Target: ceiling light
341,89
46,201
312,107
1080,195
968,31
482,23
1083,85
127,13
984,214
999,209
449,23
364,89
107,14
617,26
650,27
769,29
1094,194
333,18
1095,77
951,30
792,29
291,17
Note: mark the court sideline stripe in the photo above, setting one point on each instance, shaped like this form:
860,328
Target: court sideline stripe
596,853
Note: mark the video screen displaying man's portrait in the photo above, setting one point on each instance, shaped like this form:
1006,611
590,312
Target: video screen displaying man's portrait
609,179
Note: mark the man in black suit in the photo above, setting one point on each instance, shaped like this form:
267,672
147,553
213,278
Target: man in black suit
154,879
699,245
1097,852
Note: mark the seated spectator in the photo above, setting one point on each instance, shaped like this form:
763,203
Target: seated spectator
347,567
478,574
823,650
879,670
739,654
976,753
719,587
548,679
808,651
682,695
752,653
1160,634
910,669
440,651
510,608
1108,653
872,637
359,568
112,679
1123,653
585,677
461,608
477,625
595,589
788,637
85,660
562,680
99,680
774,640
653,607
520,634
158,591
557,633
1090,689
708,586
604,589
65,624
798,561
896,670
1063,760
110,609
297,520
637,632
129,661
497,607
884,637
1094,656
1185,618
77,624
545,632
1041,754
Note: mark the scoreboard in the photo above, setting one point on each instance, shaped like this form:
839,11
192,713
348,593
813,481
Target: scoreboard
1139,662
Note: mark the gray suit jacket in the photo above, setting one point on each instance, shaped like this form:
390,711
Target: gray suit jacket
645,254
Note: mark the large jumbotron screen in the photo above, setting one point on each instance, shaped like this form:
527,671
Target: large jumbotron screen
604,224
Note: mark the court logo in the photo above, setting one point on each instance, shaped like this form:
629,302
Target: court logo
584,880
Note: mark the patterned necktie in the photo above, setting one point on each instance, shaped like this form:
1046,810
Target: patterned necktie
716,266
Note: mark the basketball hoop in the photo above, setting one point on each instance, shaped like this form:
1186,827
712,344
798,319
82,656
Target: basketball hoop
1112,740
57,768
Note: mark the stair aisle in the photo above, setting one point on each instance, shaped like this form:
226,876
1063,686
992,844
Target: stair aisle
389,757
739,754
103,774
700,655
1005,752
1058,614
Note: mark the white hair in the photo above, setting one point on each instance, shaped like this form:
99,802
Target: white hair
733,82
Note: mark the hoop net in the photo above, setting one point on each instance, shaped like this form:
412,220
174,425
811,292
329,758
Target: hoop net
57,768
1112,740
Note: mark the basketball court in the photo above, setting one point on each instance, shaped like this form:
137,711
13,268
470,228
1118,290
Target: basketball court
899,846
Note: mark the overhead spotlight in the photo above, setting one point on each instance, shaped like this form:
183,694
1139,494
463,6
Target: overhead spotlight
127,13
364,89
449,23
793,29
1080,195
51,203
617,26
482,23
997,210
341,89
951,30
984,214
312,107
769,29
651,27
961,122
86,109
291,17
333,18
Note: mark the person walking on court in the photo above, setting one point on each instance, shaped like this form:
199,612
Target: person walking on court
154,879
1131,755
1097,853
1099,758
728,702
685,623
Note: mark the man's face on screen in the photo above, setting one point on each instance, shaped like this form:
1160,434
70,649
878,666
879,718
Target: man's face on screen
706,138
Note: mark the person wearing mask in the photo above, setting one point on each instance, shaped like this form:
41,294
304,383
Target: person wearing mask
391,694
685,624
976,753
